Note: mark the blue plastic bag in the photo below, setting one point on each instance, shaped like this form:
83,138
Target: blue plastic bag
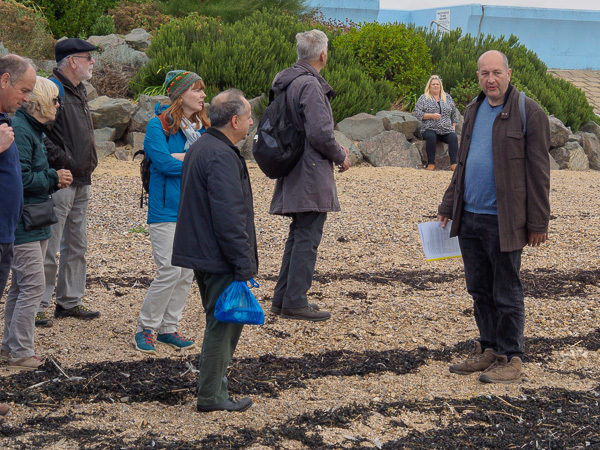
237,304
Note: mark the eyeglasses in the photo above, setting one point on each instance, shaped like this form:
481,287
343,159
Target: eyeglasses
88,57
56,101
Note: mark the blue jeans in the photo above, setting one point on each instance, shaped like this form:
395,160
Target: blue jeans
431,139
493,280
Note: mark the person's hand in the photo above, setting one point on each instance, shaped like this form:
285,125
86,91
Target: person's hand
345,165
7,137
178,156
64,178
443,219
435,116
535,239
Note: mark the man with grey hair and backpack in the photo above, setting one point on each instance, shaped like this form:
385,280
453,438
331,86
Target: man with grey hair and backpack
308,192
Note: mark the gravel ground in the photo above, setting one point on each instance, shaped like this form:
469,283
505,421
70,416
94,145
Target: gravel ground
374,376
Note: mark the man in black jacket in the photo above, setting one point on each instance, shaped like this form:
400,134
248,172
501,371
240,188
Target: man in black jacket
70,145
215,236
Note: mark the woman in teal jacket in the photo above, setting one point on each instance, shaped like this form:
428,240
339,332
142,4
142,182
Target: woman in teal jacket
28,283
168,137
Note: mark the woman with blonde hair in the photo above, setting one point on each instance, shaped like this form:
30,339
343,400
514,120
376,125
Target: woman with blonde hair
168,137
39,181
439,116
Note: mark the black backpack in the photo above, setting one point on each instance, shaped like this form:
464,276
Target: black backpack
278,145
145,164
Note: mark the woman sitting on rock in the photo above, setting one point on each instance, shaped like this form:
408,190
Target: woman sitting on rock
39,180
439,117
168,137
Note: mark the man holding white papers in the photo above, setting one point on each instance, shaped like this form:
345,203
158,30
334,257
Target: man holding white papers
498,201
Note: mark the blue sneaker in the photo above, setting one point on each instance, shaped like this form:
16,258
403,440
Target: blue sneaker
175,340
144,342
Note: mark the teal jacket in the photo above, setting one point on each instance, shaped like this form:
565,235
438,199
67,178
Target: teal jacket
39,179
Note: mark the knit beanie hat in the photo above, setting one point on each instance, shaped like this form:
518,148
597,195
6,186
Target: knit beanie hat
178,81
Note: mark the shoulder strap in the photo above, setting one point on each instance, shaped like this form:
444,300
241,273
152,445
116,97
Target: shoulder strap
61,89
522,112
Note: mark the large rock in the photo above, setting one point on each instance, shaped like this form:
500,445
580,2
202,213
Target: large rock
361,126
390,148
139,38
144,111
104,134
553,164
571,157
121,55
559,134
111,112
102,42
356,156
591,147
136,140
591,127
3,50
92,93
400,121
123,153
103,149
245,145
442,157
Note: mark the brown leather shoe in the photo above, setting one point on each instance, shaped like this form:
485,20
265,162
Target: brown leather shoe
475,362
306,313
430,167
452,167
503,371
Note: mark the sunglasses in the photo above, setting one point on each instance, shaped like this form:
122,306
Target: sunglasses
56,101
88,57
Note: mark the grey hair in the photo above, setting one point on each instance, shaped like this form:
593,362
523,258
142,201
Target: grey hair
62,63
15,66
310,45
225,105
504,58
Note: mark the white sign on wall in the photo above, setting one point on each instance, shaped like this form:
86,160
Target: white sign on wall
442,18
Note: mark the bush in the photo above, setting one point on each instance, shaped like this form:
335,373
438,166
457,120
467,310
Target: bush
103,26
130,14
248,54
455,60
226,10
24,30
390,52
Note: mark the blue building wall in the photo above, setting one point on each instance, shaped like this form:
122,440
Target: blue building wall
563,39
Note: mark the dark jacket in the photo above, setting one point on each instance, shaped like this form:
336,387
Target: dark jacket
70,139
310,186
521,171
11,189
39,179
215,226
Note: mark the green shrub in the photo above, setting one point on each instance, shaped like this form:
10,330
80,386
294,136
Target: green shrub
390,52
455,60
103,26
462,94
24,30
248,54
226,10
137,14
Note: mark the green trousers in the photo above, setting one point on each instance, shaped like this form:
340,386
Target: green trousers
220,340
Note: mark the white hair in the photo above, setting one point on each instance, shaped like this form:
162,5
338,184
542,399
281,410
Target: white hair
310,45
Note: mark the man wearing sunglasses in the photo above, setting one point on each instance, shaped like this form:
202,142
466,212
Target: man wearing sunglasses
70,145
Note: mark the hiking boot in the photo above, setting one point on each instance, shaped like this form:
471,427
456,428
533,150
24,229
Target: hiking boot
42,320
26,364
276,309
475,362
306,313
175,340
79,312
144,342
227,405
503,371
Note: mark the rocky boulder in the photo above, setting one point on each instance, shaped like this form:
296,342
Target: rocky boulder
442,157
104,134
591,127
104,149
390,148
591,146
111,112
559,134
144,111
356,156
136,140
139,39
92,93
571,157
361,126
400,121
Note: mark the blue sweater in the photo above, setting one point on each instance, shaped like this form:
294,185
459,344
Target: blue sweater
11,187
165,170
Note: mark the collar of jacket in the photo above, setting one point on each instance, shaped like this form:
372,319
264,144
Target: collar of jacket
37,126
219,135
327,89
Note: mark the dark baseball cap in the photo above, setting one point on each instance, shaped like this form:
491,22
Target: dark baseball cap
70,46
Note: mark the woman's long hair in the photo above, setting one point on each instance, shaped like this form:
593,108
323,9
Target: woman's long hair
175,113
442,93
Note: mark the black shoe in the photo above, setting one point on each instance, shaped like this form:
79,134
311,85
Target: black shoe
276,309
228,405
79,312
306,313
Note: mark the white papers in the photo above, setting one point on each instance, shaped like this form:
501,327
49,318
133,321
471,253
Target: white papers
437,243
